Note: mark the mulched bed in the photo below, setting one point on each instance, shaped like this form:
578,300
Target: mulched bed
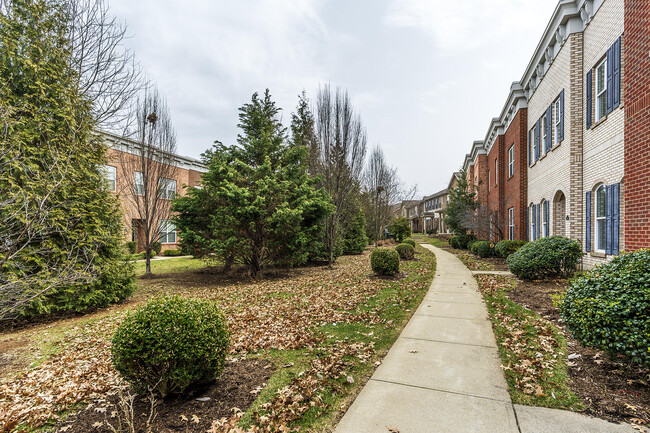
610,387
237,387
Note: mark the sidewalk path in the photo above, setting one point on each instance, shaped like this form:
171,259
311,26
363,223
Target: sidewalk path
443,374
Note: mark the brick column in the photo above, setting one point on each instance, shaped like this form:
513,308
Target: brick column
576,128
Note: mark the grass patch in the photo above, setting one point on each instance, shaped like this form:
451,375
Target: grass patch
167,266
533,351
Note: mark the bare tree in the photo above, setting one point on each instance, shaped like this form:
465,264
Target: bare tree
341,139
383,188
26,222
108,75
149,170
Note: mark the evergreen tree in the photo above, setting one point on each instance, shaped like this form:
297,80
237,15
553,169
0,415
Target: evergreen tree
257,205
61,245
461,209
355,240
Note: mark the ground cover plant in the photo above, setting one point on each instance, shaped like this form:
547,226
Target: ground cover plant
319,331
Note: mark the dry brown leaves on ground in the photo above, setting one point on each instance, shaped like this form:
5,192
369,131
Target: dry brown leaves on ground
278,314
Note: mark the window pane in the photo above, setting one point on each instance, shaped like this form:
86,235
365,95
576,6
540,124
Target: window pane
600,78
601,226
600,202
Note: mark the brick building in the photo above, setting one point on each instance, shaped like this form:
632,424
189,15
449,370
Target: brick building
121,155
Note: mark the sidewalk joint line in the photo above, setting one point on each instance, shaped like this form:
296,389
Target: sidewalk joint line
443,390
449,342
451,317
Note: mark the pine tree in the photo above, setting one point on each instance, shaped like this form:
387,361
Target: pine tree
61,243
461,208
261,204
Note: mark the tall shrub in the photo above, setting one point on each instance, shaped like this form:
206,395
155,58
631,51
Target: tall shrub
554,256
400,228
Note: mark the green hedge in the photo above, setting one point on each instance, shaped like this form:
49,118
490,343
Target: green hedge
506,248
460,242
609,307
483,249
170,344
172,253
384,261
555,256
409,241
155,248
471,245
131,247
405,251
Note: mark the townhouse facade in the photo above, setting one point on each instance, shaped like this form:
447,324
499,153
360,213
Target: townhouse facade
569,153
126,182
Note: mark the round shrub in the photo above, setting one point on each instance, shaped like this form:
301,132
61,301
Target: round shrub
155,248
131,247
471,245
405,251
460,242
483,249
170,344
547,257
409,241
384,261
609,307
506,248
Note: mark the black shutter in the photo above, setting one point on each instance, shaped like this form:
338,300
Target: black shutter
589,102
588,221
561,114
616,79
610,79
549,128
537,139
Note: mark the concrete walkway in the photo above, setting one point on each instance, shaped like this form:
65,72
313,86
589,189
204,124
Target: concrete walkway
443,374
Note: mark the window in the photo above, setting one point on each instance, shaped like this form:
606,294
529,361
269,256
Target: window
601,219
110,176
138,183
167,188
511,161
511,223
167,232
545,125
489,180
601,90
496,171
558,122
491,226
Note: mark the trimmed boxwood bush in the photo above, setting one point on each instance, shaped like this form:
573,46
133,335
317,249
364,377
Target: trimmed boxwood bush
131,247
384,261
405,251
409,241
483,249
170,344
172,253
609,307
506,248
460,242
547,257
471,245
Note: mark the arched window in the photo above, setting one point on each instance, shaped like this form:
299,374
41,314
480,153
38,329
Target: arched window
601,219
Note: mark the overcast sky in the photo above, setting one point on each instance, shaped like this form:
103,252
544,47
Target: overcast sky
426,76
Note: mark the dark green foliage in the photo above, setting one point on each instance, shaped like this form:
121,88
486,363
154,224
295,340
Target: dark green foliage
460,242
506,248
50,178
555,256
355,240
131,247
170,344
156,247
405,251
471,243
384,261
172,253
400,229
609,307
409,241
482,249
460,216
257,205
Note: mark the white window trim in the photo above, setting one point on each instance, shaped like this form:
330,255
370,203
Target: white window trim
603,92
558,123
544,220
511,161
138,188
598,219
543,127
165,225
112,179
511,223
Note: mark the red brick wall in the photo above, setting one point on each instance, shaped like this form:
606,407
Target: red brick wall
636,97
515,187
495,204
